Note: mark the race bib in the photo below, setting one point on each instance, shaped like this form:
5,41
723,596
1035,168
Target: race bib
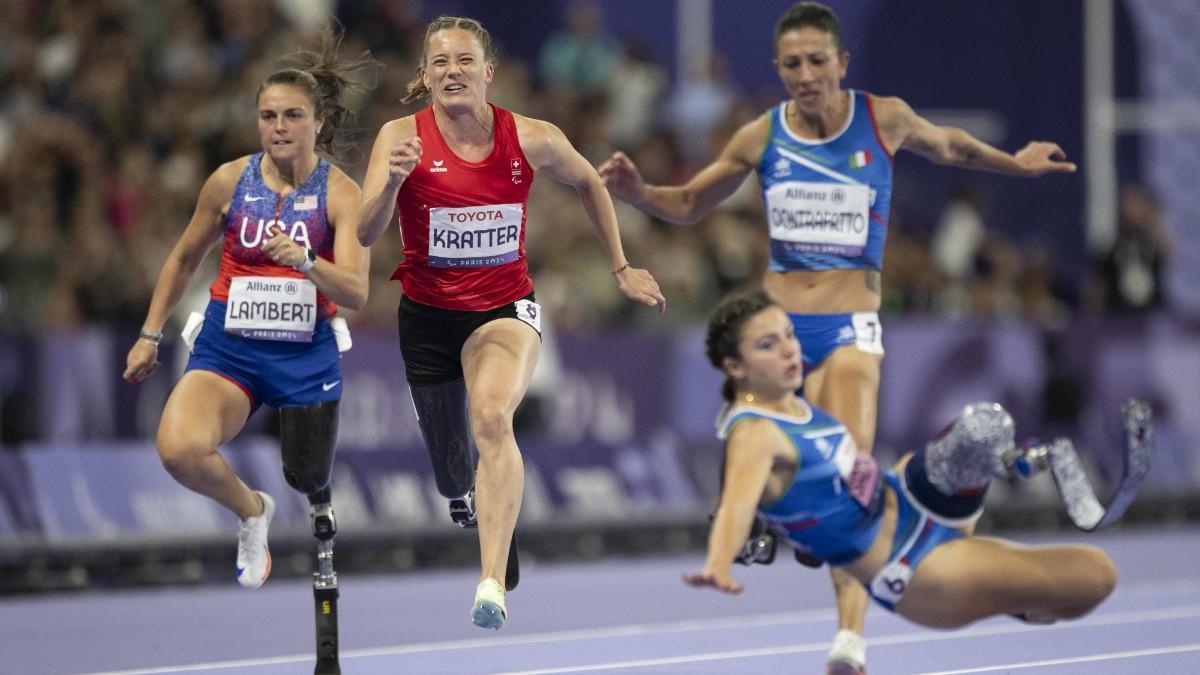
868,332
831,218
891,582
530,312
860,474
271,308
475,236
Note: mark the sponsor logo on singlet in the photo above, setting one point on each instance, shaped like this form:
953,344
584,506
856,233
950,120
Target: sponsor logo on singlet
829,218
270,308
474,236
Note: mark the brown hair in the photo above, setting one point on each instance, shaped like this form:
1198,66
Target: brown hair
326,79
810,15
721,341
416,88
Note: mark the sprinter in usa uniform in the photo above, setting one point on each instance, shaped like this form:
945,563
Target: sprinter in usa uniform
286,219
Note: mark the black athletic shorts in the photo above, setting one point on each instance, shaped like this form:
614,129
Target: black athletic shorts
432,338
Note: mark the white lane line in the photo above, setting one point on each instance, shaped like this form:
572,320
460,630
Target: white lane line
1181,649
1116,618
630,630
1176,585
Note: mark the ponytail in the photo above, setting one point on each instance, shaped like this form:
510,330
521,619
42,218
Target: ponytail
326,79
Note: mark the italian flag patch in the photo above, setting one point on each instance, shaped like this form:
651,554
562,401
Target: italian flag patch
860,159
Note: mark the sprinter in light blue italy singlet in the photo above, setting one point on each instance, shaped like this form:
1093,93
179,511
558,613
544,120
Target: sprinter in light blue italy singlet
831,508
827,203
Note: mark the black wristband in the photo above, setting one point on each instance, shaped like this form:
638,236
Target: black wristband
620,269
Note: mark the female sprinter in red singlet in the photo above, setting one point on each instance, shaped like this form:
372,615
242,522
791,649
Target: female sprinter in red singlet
460,171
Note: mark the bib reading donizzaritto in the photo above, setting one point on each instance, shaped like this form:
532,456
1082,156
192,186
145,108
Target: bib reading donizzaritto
475,236
819,217
827,199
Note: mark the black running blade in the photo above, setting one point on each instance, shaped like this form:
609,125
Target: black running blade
512,574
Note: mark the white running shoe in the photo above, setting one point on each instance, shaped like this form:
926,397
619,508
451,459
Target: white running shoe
848,656
489,610
253,556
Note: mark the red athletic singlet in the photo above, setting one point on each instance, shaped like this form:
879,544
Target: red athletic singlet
463,222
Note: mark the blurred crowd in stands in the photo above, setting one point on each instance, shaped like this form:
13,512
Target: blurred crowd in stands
113,112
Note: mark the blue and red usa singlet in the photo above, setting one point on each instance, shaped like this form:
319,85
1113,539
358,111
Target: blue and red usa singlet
256,213
463,223
827,201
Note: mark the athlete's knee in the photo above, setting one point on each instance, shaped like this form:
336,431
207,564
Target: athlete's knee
179,453
307,441
1098,573
491,423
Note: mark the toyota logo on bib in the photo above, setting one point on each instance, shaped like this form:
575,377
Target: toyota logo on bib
291,288
837,196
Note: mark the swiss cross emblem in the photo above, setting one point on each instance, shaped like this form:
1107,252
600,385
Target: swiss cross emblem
516,165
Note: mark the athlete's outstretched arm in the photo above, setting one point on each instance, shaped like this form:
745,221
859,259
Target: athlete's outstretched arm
344,279
901,127
396,152
688,203
549,150
202,233
748,459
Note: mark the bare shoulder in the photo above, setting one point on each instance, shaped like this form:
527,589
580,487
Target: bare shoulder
541,141
399,128
223,181
339,182
890,110
757,436
749,140
534,130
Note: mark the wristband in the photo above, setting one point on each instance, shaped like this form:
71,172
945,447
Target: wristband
153,337
620,269
310,259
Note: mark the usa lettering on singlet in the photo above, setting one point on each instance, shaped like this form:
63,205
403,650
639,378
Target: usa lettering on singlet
474,236
265,300
271,308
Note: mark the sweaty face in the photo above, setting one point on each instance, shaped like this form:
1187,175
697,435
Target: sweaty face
287,126
456,70
811,68
770,361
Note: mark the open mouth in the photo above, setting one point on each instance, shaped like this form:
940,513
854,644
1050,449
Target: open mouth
454,88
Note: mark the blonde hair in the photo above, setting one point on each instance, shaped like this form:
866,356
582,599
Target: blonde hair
416,88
